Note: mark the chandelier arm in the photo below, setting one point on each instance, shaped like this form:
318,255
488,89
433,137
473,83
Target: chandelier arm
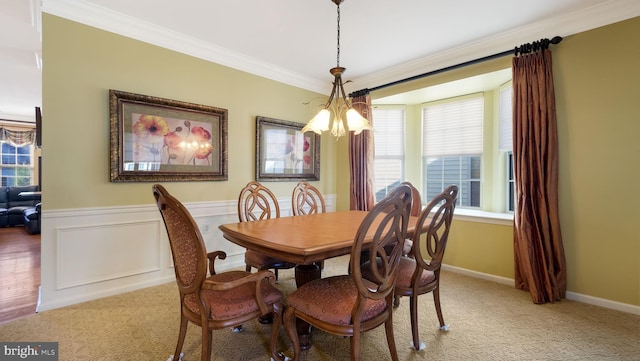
333,94
344,95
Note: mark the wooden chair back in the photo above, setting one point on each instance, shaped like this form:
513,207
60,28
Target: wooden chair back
306,199
257,202
390,219
416,205
187,245
432,229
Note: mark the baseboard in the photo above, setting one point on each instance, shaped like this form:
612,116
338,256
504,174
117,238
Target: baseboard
76,298
618,306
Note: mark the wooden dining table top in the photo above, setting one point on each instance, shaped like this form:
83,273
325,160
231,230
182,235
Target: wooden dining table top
301,239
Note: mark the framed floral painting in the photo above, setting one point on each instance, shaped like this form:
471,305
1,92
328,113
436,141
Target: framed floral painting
284,153
155,139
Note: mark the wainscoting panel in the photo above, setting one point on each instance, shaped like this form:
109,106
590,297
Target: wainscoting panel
133,248
92,253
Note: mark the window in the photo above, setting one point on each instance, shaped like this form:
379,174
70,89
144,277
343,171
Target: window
455,134
16,165
389,133
506,142
511,184
452,148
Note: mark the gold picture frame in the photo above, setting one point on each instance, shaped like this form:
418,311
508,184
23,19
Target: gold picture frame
284,153
161,140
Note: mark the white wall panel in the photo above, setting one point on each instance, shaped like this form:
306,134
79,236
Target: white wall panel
97,253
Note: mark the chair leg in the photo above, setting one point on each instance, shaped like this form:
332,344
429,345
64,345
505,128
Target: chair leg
413,310
289,320
355,345
275,330
206,344
388,327
436,302
182,333
396,301
248,268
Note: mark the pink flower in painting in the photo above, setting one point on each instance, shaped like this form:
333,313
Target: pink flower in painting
305,147
172,140
307,159
150,125
201,134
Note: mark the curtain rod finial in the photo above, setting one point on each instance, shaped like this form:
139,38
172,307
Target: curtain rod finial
556,39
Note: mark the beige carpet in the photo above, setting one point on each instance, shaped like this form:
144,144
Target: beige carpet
488,321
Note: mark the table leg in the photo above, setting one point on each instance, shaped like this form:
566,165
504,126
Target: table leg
305,273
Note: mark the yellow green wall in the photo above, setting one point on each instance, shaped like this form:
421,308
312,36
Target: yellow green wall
83,63
598,109
597,84
598,119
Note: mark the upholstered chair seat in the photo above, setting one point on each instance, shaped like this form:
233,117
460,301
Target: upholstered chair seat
332,299
406,271
234,302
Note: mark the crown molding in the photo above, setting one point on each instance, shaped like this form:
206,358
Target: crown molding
105,19
564,25
567,24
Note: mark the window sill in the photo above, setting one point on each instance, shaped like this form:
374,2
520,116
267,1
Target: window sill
474,215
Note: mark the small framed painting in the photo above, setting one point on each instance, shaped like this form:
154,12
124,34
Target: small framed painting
284,153
158,140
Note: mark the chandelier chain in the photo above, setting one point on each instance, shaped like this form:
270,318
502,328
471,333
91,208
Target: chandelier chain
338,42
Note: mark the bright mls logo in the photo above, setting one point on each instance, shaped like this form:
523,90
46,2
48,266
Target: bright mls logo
43,351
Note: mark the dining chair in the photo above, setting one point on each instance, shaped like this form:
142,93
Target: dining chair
257,202
420,273
348,305
215,300
416,210
307,199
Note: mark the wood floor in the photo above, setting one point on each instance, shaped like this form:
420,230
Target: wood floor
19,273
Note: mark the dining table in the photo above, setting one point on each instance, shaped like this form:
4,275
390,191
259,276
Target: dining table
305,240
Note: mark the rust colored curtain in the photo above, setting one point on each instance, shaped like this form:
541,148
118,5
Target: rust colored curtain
361,160
540,265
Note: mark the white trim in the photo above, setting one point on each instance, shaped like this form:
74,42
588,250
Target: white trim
118,23
565,25
619,306
601,302
476,215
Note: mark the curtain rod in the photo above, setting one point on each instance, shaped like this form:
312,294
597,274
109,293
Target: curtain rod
522,49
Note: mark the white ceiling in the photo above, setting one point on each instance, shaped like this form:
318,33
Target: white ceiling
294,41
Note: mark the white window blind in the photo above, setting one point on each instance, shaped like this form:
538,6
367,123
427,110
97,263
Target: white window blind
453,128
388,126
389,129
505,142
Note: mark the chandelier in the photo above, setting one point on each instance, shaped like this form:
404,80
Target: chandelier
337,115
